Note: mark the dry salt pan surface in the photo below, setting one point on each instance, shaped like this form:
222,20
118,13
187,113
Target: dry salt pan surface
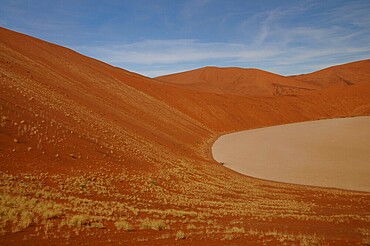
328,153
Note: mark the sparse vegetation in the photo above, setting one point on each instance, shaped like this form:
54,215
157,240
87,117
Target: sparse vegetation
81,213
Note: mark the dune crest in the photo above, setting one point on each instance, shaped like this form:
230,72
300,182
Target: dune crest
237,81
353,73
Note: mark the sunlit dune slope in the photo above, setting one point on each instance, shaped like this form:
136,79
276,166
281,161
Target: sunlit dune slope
237,81
353,73
72,104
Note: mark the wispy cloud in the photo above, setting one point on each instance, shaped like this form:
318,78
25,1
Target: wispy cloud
180,54
174,51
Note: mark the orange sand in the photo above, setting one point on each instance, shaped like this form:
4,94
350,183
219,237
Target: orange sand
146,144
328,153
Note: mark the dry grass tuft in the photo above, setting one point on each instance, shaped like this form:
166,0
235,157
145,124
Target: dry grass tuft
20,212
84,220
157,225
235,230
123,225
180,235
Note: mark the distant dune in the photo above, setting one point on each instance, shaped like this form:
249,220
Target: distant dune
255,82
353,73
91,153
237,81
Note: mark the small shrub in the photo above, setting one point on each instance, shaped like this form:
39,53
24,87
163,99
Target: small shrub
123,225
153,224
180,235
191,227
228,237
97,225
85,220
24,221
78,220
152,182
235,230
51,214
308,240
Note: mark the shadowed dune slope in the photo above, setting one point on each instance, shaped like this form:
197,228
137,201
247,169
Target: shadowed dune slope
237,81
85,146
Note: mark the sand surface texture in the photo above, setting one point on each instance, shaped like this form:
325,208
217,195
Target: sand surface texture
327,153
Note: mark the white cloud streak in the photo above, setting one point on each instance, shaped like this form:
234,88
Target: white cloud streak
274,45
182,53
175,51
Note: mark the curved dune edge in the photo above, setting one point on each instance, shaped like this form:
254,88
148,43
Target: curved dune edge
331,153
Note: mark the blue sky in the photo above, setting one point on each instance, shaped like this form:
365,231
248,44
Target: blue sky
156,37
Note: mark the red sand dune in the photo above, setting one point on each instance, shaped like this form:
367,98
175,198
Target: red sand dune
237,81
89,151
342,75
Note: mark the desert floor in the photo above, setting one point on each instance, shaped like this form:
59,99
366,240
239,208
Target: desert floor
328,153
